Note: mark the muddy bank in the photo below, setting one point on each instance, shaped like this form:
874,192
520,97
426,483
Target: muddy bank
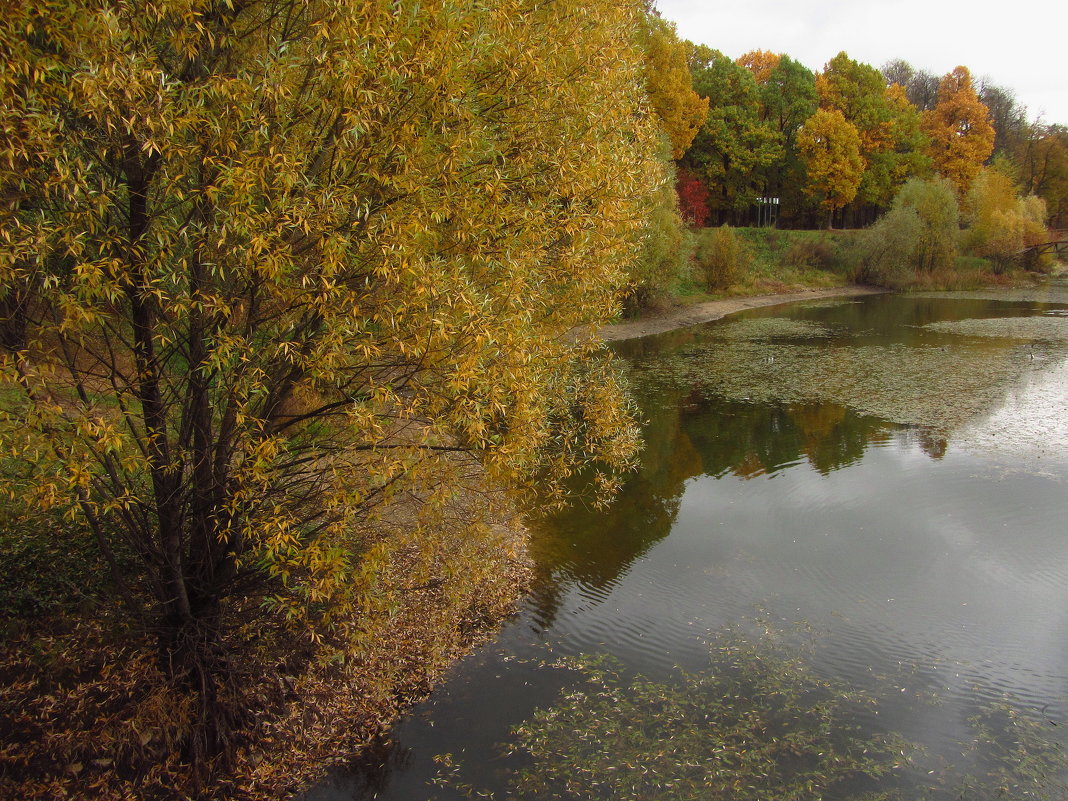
715,309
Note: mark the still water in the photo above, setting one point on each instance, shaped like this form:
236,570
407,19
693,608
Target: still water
880,480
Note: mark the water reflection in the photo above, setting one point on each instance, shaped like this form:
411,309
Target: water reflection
686,438
888,469
770,389
1022,427
938,372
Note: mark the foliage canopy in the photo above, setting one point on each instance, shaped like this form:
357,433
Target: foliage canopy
266,266
680,109
831,149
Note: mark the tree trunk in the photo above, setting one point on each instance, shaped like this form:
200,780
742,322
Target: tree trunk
194,659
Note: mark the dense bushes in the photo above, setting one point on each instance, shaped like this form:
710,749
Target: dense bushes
919,241
918,234
667,247
721,257
1001,223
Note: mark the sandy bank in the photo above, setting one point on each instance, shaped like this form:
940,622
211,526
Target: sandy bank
715,309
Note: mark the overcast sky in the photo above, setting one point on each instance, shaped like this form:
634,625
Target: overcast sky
1021,45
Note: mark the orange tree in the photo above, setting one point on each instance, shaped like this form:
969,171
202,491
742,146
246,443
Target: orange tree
959,129
265,264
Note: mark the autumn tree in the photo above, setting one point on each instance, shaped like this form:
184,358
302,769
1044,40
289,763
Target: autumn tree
906,157
830,147
734,145
693,198
1000,222
666,246
858,91
760,63
266,266
667,77
887,124
959,129
1043,160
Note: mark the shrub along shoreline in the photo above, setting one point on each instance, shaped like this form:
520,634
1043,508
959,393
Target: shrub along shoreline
747,262
930,238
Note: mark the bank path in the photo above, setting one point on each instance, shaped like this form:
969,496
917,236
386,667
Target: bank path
714,309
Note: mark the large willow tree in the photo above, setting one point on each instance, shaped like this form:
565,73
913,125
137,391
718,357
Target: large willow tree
267,263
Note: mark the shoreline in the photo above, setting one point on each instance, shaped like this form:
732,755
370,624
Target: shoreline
685,316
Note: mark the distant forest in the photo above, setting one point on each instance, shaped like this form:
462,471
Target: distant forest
763,137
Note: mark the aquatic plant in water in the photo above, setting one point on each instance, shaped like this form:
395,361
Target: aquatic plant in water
939,385
1043,329
757,725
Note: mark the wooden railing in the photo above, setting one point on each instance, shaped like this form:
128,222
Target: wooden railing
1056,242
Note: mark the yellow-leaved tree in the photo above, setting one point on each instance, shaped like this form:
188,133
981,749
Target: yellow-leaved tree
830,148
761,63
958,127
1001,223
681,110
888,126
266,265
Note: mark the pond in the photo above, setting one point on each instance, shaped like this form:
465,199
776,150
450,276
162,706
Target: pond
864,502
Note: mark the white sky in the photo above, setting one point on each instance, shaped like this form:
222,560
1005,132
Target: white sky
1021,45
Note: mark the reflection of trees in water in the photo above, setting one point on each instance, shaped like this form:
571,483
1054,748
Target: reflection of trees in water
687,436
367,775
900,318
593,546
872,354
855,355
750,440
932,443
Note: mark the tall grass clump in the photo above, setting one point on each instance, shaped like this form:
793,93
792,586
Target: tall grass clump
722,257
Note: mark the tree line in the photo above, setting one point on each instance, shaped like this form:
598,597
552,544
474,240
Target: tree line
842,141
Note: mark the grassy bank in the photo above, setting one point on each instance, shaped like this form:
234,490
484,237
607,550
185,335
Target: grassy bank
770,261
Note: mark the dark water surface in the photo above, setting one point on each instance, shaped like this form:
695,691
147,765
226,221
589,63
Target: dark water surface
886,474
